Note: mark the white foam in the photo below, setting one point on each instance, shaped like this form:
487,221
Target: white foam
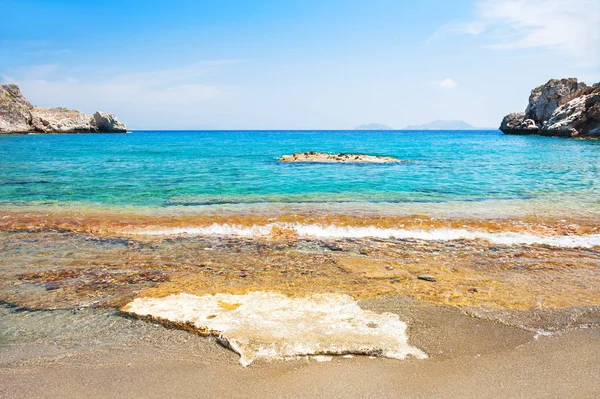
266,325
542,333
332,231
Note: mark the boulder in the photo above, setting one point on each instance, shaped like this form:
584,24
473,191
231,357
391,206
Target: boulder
109,123
561,107
17,115
517,124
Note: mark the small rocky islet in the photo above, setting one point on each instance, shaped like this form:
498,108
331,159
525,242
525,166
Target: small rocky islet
560,108
322,157
18,115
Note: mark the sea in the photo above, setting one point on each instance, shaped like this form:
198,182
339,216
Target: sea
463,173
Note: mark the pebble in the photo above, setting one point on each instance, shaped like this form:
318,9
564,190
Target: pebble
427,277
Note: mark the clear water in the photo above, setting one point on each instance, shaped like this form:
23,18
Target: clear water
198,168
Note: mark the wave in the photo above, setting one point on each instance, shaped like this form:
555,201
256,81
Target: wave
332,231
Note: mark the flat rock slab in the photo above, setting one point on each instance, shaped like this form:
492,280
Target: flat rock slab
270,326
337,158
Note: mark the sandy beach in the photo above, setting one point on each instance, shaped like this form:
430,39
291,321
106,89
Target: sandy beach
505,320
107,355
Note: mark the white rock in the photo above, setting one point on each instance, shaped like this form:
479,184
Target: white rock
266,325
61,120
572,117
108,123
17,115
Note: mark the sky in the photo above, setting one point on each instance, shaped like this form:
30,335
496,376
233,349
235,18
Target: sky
327,64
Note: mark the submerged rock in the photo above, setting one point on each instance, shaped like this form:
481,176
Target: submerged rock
337,158
427,277
17,115
561,107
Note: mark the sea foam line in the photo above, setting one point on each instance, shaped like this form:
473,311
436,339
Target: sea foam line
332,231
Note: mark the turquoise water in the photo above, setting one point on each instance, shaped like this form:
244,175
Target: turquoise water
199,168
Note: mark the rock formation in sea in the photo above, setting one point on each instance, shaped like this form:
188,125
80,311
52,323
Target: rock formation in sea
561,107
17,115
337,158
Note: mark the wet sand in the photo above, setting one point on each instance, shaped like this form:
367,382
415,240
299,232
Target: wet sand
469,357
496,320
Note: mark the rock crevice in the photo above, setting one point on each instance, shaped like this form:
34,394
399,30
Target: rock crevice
17,115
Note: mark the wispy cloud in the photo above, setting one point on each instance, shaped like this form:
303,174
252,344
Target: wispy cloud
37,72
33,47
568,27
447,83
48,52
172,76
165,94
34,43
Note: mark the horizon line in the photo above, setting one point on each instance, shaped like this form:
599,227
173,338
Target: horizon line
313,130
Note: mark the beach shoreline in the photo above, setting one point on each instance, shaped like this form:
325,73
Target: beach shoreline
468,357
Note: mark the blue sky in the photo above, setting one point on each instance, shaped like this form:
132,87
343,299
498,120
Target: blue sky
295,64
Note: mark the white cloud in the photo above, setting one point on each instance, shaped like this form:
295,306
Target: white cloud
176,86
174,75
447,83
568,27
48,52
161,94
40,71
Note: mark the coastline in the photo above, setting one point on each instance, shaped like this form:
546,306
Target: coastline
469,357
520,267
396,231
520,263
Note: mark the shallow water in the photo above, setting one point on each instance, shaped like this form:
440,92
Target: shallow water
204,169
477,219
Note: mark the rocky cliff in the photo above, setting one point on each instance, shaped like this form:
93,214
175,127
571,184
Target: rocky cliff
17,115
561,107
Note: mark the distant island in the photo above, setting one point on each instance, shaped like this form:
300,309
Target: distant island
17,115
444,125
373,126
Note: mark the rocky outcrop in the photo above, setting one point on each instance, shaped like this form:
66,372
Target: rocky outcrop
561,107
337,158
544,99
17,115
61,120
108,123
15,110
517,124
